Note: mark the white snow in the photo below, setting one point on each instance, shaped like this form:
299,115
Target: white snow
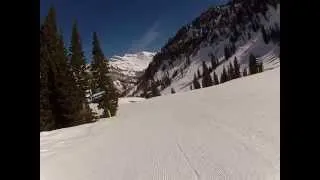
267,53
127,100
129,64
94,107
229,131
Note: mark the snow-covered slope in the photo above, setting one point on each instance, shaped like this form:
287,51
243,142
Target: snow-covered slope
181,74
126,69
229,131
131,64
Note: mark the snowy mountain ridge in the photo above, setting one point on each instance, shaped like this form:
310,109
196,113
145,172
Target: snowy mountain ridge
130,64
125,70
235,30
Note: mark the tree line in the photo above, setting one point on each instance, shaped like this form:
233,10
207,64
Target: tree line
232,71
65,80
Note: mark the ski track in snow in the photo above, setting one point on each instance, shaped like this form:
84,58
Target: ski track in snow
229,131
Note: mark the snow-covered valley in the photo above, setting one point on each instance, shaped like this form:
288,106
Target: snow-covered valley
228,131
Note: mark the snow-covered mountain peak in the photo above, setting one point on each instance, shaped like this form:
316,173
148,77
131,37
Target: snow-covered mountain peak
128,68
132,63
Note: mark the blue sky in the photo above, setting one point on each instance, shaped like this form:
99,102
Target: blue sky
125,26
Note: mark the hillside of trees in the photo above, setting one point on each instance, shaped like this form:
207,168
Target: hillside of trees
65,82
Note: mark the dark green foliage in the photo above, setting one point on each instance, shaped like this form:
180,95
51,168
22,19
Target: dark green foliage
188,62
206,78
215,79
59,105
214,62
102,80
253,68
245,73
78,67
175,73
196,84
173,91
198,72
236,66
224,76
229,50
46,118
265,35
231,72
155,91
260,67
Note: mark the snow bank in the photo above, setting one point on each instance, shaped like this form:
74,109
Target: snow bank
229,131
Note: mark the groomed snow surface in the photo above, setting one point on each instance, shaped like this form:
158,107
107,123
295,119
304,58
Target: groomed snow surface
229,131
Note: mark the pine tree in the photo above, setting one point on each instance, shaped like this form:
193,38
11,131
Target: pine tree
245,72
224,76
206,78
173,91
196,84
46,118
188,62
260,67
78,67
213,62
253,64
231,72
154,90
265,36
215,78
102,80
59,80
236,66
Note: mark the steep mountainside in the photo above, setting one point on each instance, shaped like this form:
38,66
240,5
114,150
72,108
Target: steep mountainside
221,34
125,70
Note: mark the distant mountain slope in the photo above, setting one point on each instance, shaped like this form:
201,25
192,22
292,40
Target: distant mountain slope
125,70
237,29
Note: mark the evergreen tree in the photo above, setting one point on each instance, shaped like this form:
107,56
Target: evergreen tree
173,91
188,62
215,78
78,67
213,62
231,72
206,78
46,118
102,80
260,67
265,36
245,72
224,76
154,90
196,84
236,66
226,52
59,81
253,64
